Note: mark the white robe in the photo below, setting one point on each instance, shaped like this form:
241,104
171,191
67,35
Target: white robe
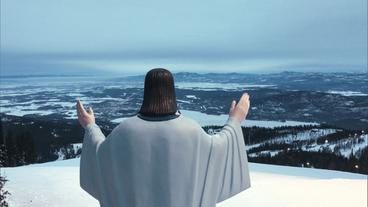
167,163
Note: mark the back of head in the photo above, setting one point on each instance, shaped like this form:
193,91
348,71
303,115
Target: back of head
159,94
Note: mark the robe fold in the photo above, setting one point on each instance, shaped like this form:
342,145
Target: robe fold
163,163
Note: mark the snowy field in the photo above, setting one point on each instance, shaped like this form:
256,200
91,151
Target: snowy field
208,119
205,86
56,184
348,93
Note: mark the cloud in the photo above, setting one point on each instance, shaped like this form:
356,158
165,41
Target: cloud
190,35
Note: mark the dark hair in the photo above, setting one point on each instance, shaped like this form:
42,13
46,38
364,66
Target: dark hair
159,93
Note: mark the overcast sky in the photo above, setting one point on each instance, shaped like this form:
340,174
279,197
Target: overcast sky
43,36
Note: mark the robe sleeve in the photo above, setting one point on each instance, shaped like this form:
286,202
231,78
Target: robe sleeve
228,172
89,174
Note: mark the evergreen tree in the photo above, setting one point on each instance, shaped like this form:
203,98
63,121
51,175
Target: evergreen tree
3,193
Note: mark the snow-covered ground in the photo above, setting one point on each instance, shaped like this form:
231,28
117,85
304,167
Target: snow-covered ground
206,86
348,93
56,184
208,119
342,147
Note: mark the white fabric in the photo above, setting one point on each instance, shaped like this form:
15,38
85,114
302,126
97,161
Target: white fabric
171,163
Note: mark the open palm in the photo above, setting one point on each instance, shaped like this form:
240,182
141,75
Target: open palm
85,117
240,111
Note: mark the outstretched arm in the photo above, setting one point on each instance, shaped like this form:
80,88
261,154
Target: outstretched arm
89,173
88,122
228,165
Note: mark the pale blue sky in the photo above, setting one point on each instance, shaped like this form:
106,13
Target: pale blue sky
48,36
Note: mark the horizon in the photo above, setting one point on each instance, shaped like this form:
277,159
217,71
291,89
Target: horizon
117,74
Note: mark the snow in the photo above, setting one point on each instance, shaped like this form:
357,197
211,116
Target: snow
24,110
118,120
182,101
219,120
191,96
206,120
265,152
76,147
305,135
61,153
68,107
347,93
346,146
57,184
208,86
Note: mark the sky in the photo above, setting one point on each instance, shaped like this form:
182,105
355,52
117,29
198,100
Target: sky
131,37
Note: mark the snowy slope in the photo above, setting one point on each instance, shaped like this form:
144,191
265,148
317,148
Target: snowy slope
57,184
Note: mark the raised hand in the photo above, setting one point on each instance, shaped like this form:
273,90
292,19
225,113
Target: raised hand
85,117
240,111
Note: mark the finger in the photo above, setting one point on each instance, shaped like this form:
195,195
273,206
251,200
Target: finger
232,107
78,110
81,108
245,95
90,111
244,98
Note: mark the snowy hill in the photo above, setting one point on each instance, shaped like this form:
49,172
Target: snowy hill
57,184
